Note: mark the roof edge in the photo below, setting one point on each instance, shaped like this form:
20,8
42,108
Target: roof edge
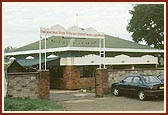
84,49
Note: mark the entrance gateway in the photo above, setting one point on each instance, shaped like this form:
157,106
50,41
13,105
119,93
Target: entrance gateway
72,33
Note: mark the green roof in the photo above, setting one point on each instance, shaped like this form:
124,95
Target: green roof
27,63
111,42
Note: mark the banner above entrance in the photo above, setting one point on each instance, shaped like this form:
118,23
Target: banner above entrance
72,32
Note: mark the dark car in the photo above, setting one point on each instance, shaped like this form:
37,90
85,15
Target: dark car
140,85
161,77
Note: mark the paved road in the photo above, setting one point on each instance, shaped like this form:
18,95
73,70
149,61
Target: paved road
80,101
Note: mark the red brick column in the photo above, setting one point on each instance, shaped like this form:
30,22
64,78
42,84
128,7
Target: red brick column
44,84
105,81
101,82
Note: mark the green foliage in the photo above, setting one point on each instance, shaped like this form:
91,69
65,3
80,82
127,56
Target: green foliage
9,49
17,104
147,24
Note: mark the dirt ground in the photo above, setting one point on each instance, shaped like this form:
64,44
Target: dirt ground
83,101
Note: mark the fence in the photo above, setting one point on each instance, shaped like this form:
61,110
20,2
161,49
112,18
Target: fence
32,85
115,75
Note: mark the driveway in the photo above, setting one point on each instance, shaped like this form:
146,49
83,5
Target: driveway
82,101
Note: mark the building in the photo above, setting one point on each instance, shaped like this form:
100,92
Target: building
73,61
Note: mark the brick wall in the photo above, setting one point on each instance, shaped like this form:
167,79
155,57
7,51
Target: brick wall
71,80
87,82
32,85
117,75
71,77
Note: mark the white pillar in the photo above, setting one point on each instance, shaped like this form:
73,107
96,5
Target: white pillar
40,53
45,54
104,53
133,67
100,49
102,44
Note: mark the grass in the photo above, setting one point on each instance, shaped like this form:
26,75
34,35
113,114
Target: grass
18,104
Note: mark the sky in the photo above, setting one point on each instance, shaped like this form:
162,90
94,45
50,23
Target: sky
22,21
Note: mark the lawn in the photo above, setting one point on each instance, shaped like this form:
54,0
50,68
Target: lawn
18,104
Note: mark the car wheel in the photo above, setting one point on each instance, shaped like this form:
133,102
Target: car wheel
115,91
141,95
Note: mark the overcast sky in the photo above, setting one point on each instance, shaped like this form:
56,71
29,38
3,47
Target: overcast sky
22,21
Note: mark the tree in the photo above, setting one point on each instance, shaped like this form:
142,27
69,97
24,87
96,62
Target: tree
9,49
147,24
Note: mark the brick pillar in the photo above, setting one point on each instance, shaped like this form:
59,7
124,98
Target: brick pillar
105,81
67,77
101,82
44,84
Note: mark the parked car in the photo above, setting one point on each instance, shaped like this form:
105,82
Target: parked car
161,77
140,85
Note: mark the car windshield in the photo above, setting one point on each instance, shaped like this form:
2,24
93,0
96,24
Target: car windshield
151,79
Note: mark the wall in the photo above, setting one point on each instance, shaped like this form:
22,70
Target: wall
87,82
116,75
71,79
32,85
92,59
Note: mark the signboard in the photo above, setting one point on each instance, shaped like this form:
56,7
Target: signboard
72,32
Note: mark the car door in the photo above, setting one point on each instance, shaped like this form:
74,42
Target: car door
134,85
125,84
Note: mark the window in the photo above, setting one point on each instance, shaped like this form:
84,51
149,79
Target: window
151,79
128,80
136,80
81,72
87,71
